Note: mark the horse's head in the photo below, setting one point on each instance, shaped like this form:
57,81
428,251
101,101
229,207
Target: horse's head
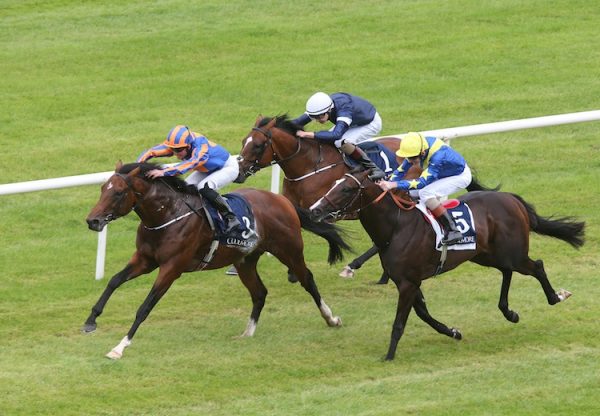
257,149
271,140
117,198
348,195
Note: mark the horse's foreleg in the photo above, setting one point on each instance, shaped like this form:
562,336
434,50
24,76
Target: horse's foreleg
258,292
160,287
420,308
134,268
510,315
406,296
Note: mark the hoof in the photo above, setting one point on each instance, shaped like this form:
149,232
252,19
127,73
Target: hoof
337,322
563,294
347,272
87,328
456,334
114,355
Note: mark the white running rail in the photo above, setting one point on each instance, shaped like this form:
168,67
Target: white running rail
446,134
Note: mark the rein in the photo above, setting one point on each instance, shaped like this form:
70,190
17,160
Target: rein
277,160
403,204
140,196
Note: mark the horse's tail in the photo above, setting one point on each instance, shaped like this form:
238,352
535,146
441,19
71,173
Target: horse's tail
329,232
563,228
475,185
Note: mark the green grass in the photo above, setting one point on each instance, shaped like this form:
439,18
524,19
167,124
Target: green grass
85,84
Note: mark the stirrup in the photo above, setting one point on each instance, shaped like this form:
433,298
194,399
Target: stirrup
231,223
376,174
453,237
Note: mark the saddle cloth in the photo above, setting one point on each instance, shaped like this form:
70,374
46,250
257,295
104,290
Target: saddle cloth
383,157
464,220
243,238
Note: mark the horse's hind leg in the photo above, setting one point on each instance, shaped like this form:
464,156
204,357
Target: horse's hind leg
258,292
294,260
536,269
510,315
420,308
136,267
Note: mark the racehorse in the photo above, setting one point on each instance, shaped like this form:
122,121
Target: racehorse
503,222
177,236
310,167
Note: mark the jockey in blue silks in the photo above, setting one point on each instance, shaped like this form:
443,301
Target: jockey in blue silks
354,118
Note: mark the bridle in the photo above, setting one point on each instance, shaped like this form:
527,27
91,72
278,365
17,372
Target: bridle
336,213
139,195
340,212
256,165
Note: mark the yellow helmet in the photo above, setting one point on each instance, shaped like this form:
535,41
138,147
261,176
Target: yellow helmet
412,145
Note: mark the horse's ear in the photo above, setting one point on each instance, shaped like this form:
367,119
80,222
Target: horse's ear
271,123
134,172
258,119
119,165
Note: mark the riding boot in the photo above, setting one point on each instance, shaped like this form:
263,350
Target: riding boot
361,157
452,234
231,221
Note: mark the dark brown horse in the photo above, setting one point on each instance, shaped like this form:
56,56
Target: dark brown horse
176,236
407,241
310,167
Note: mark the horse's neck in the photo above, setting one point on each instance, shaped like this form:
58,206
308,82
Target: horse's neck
160,204
383,218
298,157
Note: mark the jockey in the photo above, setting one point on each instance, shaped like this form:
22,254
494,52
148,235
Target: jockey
213,167
355,120
444,172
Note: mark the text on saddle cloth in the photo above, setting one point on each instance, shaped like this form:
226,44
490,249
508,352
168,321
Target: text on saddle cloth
464,221
244,237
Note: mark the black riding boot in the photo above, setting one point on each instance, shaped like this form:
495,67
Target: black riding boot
361,157
451,233
231,221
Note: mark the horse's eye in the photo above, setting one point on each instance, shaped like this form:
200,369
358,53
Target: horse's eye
347,191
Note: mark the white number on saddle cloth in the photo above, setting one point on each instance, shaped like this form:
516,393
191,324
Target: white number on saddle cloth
250,232
385,159
461,223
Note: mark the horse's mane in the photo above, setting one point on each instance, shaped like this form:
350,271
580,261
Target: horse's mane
283,122
172,181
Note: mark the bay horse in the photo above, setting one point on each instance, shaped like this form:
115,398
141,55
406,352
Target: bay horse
310,167
503,222
176,236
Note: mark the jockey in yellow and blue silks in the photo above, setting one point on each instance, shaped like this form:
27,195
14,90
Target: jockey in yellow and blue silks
212,165
444,172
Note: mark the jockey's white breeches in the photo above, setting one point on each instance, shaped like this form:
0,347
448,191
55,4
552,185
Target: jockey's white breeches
359,134
441,188
217,179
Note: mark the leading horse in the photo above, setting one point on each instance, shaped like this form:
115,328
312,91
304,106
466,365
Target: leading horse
310,167
176,236
407,242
